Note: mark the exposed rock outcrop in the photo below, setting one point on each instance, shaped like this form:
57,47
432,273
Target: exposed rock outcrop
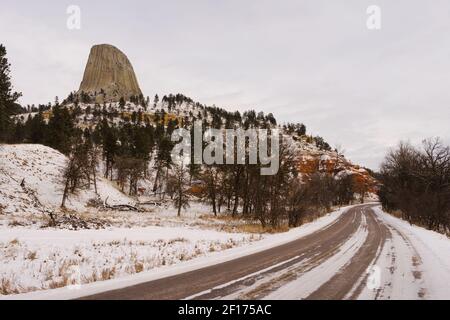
109,75
312,161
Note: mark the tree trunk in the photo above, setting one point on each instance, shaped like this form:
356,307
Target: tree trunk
155,185
236,203
65,194
95,179
213,200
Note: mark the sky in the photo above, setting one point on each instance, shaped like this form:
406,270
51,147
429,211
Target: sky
309,61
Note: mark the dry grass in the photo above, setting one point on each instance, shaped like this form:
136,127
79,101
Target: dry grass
55,284
14,242
6,287
220,217
138,266
237,224
183,257
32,255
279,229
72,268
228,245
15,223
108,273
114,243
241,225
255,228
173,241
396,213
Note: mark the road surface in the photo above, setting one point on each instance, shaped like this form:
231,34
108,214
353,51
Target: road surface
330,263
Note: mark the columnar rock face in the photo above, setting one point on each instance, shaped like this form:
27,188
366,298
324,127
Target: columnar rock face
109,74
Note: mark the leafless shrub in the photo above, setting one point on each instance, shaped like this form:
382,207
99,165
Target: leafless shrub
32,255
6,287
417,182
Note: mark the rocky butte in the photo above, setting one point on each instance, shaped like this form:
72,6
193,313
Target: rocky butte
109,75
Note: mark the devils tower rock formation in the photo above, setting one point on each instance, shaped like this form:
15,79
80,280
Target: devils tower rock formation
109,75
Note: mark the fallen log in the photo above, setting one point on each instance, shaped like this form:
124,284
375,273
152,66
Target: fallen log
120,207
123,207
151,203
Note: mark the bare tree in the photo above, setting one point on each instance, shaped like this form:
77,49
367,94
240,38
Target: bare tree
129,171
344,190
211,178
177,183
417,182
298,203
94,156
74,172
339,154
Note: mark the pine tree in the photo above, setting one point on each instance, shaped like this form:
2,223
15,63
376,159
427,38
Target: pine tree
8,97
60,130
36,128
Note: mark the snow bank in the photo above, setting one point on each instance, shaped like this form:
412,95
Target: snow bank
434,251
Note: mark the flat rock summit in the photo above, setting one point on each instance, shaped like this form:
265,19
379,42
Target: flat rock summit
109,75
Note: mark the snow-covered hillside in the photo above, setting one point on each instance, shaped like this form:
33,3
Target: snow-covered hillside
32,258
31,182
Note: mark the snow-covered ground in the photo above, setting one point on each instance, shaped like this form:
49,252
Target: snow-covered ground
414,263
73,257
41,170
44,259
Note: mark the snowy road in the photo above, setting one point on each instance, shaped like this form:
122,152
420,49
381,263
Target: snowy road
331,263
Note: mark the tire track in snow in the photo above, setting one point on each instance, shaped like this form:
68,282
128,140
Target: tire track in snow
258,285
225,278
316,275
416,263
353,274
400,265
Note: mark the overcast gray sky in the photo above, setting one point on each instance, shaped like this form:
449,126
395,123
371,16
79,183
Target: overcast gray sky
308,61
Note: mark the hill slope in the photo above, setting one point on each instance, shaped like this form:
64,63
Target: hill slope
41,168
